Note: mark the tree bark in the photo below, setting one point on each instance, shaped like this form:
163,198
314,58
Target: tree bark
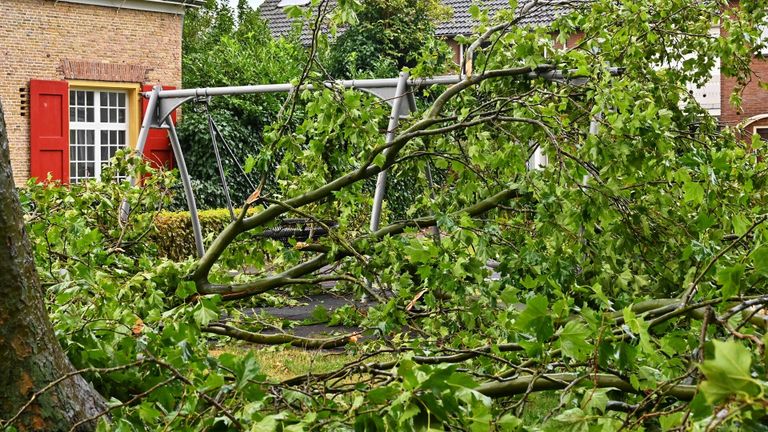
30,354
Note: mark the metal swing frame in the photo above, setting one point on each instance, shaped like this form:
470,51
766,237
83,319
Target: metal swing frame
162,103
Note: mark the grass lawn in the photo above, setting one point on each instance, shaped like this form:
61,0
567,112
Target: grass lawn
282,363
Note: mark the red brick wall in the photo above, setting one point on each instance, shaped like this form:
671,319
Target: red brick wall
754,98
43,39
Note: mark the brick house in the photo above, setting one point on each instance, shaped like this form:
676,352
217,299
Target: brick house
713,96
72,71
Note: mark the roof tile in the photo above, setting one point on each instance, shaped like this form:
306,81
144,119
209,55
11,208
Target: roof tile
461,22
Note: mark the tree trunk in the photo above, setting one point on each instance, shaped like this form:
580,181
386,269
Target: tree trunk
30,355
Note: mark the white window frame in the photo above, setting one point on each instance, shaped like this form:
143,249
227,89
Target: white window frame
756,128
97,126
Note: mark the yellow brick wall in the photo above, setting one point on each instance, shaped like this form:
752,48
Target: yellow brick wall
36,36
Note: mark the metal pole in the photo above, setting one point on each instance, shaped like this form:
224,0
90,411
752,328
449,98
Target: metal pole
185,180
381,179
280,88
146,124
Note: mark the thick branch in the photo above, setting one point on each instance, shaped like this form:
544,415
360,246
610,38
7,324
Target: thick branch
560,381
280,338
231,292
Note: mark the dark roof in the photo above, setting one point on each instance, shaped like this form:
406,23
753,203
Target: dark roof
279,24
460,23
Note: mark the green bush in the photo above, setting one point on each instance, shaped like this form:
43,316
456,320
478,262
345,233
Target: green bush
201,162
390,35
173,234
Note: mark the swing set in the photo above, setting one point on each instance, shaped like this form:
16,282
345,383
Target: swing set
397,92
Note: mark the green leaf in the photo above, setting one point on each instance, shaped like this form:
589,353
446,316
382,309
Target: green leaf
595,400
728,373
382,394
474,11
148,413
250,162
740,224
267,424
760,259
730,279
572,420
638,326
535,318
573,340
693,192
212,382
185,289
205,312
293,12
509,423
379,160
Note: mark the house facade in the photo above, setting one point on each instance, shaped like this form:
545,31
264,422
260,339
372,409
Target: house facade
72,72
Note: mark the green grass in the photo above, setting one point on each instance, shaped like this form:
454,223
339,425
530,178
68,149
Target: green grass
538,406
279,364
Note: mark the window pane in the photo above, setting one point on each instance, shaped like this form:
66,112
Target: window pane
93,146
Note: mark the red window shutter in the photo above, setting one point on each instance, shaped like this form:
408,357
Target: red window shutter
158,146
49,130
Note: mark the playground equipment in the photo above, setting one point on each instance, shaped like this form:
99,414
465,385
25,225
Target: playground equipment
397,92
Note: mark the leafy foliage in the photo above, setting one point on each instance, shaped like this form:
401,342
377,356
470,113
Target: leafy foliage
628,275
224,47
388,37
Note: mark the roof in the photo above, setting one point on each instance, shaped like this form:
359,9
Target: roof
461,22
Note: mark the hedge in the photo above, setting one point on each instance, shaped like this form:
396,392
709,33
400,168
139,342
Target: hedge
173,231
175,240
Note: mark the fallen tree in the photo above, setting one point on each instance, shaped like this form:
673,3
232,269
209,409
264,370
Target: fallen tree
631,268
